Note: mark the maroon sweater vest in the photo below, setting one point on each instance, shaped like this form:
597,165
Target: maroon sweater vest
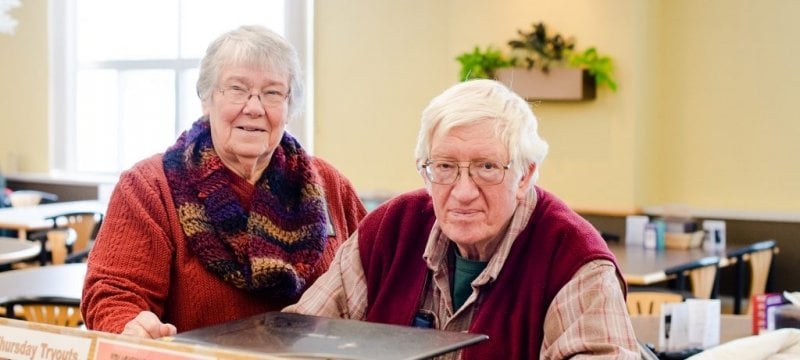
552,247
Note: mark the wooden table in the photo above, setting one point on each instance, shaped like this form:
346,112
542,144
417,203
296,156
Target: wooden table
642,266
24,219
13,250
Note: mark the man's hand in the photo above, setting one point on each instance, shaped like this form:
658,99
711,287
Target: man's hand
147,325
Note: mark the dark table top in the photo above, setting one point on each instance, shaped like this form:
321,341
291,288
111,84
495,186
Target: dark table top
642,266
313,337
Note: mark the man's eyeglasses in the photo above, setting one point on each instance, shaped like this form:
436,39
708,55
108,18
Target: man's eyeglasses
239,95
482,172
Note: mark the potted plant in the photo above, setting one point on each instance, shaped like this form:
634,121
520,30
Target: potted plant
480,64
542,66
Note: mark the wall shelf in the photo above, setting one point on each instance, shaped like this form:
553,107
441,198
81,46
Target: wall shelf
558,84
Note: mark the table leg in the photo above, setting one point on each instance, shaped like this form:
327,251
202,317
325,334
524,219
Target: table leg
738,295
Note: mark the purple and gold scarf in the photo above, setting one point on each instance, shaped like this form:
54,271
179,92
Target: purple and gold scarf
274,249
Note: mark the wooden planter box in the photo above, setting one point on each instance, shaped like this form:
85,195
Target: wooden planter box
559,84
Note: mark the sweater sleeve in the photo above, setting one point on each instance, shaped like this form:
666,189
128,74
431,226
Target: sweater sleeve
341,292
344,206
589,319
129,266
343,200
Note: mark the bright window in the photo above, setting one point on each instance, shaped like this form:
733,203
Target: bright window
124,72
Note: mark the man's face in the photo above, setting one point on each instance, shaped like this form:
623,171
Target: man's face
472,215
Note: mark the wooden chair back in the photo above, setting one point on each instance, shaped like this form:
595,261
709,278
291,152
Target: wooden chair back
649,302
85,225
57,241
703,280
702,275
53,311
759,256
760,263
55,247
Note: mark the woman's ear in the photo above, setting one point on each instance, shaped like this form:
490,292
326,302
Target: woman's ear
525,182
206,107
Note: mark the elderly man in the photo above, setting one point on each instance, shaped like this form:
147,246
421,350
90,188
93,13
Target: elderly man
482,249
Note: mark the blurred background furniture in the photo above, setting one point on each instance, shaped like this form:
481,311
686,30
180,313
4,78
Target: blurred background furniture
642,266
21,198
25,219
84,223
702,275
64,282
53,281
697,270
4,192
759,257
649,302
71,237
731,327
54,245
48,310
13,250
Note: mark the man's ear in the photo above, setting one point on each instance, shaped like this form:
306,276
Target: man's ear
425,180
525,182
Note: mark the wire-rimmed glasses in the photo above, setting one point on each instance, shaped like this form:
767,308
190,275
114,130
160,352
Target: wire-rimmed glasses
239,95
482,172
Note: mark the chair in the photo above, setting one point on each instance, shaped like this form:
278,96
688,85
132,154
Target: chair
702,274
759,255
74,232
85,224
649,302
53,311
55,246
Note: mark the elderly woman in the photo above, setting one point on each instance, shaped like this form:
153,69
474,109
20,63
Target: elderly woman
482,249
234,219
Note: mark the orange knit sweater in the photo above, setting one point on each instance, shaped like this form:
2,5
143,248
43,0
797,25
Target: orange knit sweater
141,261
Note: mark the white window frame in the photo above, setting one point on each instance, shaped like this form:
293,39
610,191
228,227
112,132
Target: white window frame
63,67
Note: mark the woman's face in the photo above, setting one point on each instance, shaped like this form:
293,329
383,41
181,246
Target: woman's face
247,133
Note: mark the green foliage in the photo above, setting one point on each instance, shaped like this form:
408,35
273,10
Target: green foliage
538,49
482,64
599,66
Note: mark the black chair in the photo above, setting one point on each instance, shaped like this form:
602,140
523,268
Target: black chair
759,256
75,230
701,273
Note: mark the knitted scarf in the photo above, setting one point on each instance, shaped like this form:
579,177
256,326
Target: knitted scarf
274,249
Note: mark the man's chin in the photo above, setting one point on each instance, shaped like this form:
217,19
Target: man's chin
462,234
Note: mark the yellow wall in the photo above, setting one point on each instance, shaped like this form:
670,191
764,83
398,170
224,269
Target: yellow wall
403,53
703,115
24,129
728,117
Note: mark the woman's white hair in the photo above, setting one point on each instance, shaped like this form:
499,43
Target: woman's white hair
252,45
481,100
